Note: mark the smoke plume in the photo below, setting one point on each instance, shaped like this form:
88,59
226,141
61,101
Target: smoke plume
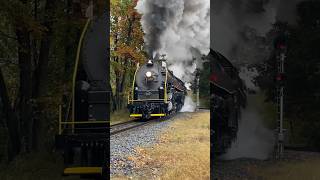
254,140
189,105
180,29
238,31
236,24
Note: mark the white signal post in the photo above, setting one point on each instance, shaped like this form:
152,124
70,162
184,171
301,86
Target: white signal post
198,91
280,143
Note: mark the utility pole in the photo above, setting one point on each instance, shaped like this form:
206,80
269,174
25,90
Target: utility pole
196,87
281,50
198,90
280,94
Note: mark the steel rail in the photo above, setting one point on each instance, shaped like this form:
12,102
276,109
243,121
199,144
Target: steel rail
135,124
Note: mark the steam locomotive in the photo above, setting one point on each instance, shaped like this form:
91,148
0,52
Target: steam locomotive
84,116
156,92
228,96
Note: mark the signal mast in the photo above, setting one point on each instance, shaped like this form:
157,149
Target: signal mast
281,51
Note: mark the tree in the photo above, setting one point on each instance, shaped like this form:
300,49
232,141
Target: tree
38,40
126,47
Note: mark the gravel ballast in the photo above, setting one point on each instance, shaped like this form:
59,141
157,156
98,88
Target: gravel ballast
123,145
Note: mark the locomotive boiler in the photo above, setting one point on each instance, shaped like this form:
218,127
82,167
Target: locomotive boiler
84,116
155,92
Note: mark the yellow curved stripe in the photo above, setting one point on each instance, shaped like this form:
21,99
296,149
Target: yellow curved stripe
76,68
82,170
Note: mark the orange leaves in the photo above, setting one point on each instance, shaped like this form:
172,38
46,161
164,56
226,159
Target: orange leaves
127,35
129,52
126,43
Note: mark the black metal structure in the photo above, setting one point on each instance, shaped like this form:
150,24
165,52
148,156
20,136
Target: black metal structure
84,127
228,95
156,92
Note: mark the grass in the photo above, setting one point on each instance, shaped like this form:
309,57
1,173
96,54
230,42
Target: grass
120,116
294,171
182,153
37,166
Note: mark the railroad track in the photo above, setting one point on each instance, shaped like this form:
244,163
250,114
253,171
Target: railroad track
125,126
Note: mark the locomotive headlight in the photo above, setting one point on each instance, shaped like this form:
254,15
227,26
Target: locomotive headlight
148,74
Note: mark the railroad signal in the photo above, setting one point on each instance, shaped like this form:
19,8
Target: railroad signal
213,77
281,46
280,77
281,50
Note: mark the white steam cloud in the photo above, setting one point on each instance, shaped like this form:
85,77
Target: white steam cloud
189,105
180,29
254,140
238,31
237,23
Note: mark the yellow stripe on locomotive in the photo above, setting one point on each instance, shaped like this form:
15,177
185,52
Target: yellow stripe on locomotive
155,92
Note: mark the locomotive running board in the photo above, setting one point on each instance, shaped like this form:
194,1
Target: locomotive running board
152,115
83,171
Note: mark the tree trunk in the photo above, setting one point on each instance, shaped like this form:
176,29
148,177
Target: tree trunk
112,98
41,76
10,120
25,105
117,90
122,84
125,64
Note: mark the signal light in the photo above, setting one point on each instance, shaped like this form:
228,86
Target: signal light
213,77
281,46
280,77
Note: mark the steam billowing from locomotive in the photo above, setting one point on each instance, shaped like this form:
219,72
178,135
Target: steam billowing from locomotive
178,28
239,29
237,23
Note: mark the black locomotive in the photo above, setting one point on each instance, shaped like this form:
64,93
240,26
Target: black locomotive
156,92
84,117
228,95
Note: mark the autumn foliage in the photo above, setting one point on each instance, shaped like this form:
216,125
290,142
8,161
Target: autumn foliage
126,41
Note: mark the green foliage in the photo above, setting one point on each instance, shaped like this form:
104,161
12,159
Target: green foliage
204,86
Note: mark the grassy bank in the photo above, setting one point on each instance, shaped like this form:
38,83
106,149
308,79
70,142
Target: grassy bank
182,153
35,166
294,171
